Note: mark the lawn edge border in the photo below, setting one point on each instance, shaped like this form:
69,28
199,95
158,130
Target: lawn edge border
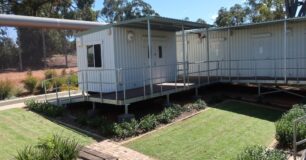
165,126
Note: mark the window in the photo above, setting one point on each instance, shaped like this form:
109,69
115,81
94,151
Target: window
160,51
94,55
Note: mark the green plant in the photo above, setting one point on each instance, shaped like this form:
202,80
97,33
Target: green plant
284,126
261,153
199,104
73,79
45,108
169,113
42,85
30,83
6,89
50,73
126,129
54,147
58,82
148,123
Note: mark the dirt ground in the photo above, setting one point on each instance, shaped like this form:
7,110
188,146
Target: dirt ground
17,77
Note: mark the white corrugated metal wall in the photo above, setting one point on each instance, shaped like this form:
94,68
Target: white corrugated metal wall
132,56
251,51
94,76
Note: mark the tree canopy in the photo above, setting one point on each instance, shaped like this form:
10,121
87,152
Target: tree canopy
120,10
252,11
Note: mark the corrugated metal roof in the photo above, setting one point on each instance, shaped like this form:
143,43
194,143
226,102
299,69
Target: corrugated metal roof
156,22
297,19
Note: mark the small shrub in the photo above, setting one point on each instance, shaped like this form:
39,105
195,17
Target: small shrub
45,108
73,80
50,73
260,153
42,84
6,89
30,84
169,114
199,104
148,123
284,126
65,87
54,147
59,82
126,129
106,128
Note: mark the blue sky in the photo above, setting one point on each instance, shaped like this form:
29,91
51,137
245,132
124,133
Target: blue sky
179,9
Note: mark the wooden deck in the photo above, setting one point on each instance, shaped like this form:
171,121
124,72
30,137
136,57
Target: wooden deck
163,89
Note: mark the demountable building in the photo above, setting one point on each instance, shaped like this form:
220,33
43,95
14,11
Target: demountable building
134,60
269,52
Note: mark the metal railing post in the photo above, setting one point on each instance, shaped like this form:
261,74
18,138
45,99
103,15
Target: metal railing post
86,76
83,87
144,82
199,74
45,88
56,93
124,84
69,85
116,94
101,85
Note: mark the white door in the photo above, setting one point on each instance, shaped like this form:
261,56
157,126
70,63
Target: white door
160,68
262,56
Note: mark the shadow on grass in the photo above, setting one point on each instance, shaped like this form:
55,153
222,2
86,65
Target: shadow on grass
252,110
71,127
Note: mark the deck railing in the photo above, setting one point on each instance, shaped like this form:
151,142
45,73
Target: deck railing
122,84
186,73
295,142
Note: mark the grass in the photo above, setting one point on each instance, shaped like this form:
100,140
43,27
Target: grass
218,133
19,128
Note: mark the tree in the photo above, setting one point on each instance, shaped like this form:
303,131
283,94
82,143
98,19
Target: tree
224,18
252,11
30,40
119,10
200,20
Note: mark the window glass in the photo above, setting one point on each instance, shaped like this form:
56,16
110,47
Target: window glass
160,51
90,56
97,55
94,55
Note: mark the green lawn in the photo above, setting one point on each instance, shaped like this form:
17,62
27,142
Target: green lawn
218,133
19,128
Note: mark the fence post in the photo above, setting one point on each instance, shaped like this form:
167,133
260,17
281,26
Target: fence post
294,140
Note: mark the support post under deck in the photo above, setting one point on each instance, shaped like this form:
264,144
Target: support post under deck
150,55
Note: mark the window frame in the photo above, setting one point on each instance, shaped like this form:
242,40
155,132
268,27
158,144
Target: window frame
94,55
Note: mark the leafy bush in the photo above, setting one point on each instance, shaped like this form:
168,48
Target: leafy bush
260,153
169,114
6,89
59,82
45,108
54,147
148,123
73,78
284,126
30,84
126,129
199,104
50,73
41,86
106,128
